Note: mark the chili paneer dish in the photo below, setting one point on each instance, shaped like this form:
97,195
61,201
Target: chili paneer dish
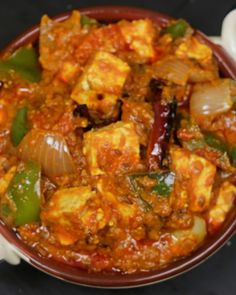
118,143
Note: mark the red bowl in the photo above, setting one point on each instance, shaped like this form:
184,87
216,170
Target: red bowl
116,280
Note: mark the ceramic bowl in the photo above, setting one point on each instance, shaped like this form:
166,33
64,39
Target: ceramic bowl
12,248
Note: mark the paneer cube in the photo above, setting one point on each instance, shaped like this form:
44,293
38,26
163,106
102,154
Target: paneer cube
74,213
194,49
139,35
57,40
101,83
223,205
196,175
124,214
69,70
112,149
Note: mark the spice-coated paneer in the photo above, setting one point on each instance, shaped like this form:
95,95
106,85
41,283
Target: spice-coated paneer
193,49
73,213
68,71
55,43
197,177
101,83
224,203
112,149
123,212
139,35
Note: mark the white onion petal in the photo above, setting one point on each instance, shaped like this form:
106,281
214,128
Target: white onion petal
49,149
210,99
173,70
197,232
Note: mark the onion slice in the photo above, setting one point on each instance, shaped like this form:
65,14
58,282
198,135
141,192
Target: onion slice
211,99
49,149
172,69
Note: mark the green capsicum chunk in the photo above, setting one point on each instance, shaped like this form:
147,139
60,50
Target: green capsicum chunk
215,142
19,126
24,62
177,29
24,191
85,20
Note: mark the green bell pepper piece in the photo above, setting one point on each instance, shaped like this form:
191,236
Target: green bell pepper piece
23,61
176,30
215,142
85,20
19,126
24,190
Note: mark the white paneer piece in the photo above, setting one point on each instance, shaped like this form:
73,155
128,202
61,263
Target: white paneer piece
195,176
101,83
194,49
74,213
124,214
112,149
139,35
223,205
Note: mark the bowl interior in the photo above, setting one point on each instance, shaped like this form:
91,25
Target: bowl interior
117,280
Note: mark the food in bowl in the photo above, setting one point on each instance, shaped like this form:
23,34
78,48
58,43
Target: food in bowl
118,145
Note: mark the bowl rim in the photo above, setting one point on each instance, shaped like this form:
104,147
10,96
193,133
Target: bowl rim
118,280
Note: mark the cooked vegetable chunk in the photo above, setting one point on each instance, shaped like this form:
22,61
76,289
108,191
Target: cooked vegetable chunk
173,70
188,239
58,40
197,177
123,212
210,99
24,192
101,83
177,29
139,35
74,213
23,62
224,203
19,126
112,149
193,49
